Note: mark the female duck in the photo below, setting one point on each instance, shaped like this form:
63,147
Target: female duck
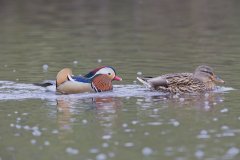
203,79
98,80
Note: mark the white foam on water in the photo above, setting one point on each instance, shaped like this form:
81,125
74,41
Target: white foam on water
10,90
147,151
18,91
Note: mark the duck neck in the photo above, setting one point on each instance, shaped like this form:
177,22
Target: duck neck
210,85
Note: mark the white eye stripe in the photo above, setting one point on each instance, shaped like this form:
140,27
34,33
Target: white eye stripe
108,71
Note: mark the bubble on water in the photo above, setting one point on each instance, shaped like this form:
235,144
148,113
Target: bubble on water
14,70
140,100
207,108
129,144
215,119
101,156
155,110
9,115
35,128
128,130
176,123
18,126
199,154
55,131
224,110
154,123
224,127
75,62
16,112
25,114
84,121
134,82
139,73
124,125
33,141
175,96
12,125
203,134
146,151
36,133
18,119
206,95
181,99
46,143
94,150
72,151
116,143
5,65
45,67
106,137
27,127
146,133
206,103
232,152
228,134
99,60
105,145
134,122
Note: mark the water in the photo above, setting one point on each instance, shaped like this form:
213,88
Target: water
138,38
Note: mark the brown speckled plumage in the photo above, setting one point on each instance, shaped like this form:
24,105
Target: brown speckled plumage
203,79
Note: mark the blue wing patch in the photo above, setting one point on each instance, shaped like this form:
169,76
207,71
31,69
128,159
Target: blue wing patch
81,79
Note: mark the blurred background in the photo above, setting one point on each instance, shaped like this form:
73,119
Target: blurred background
160,36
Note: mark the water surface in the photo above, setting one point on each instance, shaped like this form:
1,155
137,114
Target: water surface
138,38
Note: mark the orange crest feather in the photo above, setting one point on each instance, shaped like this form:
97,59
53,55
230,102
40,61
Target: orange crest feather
62,75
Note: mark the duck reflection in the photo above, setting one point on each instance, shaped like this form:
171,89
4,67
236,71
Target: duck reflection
106,111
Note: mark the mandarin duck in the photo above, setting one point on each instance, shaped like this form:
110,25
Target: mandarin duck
98,80
201,80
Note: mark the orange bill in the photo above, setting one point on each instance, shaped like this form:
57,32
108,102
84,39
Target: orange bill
116,78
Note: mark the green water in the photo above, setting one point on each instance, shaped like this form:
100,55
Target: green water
149,37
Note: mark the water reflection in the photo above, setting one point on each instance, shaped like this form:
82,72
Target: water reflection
205,101
106,110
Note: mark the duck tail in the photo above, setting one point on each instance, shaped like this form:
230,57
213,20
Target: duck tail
44,84
63,75
144,82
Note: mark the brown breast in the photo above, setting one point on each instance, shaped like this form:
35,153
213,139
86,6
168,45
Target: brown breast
101,83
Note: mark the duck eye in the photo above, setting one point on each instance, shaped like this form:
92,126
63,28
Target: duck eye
109,74
208,72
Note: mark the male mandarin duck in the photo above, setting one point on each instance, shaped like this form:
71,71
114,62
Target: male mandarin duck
201,80
98,80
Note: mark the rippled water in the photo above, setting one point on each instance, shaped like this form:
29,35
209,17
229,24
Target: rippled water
137,38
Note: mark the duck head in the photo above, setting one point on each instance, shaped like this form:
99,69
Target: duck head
105,70
207,76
